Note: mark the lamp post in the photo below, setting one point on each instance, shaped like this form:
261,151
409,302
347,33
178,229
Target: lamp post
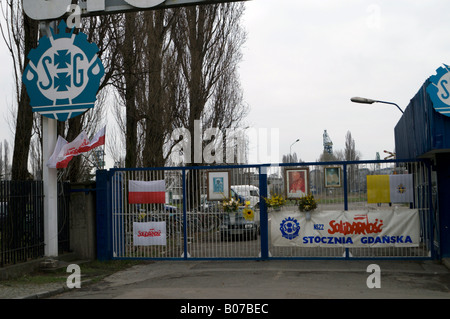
290,150
370,101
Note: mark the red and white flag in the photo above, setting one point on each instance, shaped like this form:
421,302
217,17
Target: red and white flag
142,192
65,151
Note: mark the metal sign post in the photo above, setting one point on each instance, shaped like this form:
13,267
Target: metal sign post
50,190
50,176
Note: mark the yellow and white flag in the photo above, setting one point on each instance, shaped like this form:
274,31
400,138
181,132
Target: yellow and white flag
401,188
390,188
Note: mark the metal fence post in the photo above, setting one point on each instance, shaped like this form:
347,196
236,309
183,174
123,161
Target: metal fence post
104,215
264,224
432,220
185,250
345,187
344,168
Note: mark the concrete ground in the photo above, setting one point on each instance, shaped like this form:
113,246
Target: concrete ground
274,279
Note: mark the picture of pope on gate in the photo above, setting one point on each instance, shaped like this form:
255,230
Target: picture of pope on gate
296,182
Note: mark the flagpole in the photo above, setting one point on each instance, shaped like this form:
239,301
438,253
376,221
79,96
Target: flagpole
50,178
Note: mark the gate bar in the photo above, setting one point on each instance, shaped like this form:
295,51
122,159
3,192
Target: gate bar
185,249
264,229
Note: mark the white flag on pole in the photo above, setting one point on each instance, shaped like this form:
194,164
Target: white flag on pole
65,151
401,188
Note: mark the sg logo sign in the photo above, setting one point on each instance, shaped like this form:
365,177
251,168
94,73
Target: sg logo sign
63,75
439,90
54,9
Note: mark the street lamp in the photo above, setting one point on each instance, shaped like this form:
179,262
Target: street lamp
290,150
369,101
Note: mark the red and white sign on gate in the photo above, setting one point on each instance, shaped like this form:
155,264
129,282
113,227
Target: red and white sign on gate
149,234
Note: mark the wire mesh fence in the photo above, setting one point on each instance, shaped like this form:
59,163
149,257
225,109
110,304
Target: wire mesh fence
22,220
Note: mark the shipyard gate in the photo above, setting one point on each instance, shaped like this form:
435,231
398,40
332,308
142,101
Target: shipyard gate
193,222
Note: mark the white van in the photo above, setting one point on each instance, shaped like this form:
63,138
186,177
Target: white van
248,193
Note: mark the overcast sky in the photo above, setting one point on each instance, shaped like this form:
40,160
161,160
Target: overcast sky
304,60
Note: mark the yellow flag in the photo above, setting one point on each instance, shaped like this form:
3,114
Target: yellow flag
378,190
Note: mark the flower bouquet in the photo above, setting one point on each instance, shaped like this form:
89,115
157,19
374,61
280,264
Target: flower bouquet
275,201
307,203
231,205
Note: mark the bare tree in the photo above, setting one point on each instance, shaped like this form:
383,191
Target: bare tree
36,155
291,158
351,154
128,32
7,168
20,36
182,66
155,107
327,157
207,40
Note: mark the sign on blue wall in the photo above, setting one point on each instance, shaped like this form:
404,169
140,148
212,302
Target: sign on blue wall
63,75
439,90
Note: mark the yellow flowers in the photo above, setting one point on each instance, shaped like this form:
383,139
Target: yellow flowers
275,201
230,206
307,203
248,213
142,214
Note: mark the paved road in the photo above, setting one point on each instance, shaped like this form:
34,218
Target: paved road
273,279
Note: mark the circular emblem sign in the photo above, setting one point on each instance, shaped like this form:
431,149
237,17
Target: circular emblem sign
289,228
439,90
63,76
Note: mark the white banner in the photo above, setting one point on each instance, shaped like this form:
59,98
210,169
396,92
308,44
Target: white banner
149,234
381,228
65,151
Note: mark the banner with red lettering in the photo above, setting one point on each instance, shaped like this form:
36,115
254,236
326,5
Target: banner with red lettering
379,228
149,234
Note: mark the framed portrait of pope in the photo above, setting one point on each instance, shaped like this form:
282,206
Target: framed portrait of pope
296,182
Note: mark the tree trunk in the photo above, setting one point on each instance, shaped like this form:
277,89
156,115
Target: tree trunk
129,61
22,138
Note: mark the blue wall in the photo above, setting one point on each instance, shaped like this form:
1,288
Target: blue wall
443,181
421,131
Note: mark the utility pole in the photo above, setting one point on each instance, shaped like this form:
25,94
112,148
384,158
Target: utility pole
50,176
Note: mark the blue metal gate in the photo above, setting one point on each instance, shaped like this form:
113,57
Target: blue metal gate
195,225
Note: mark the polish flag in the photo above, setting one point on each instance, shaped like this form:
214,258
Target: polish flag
65,151
142,192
